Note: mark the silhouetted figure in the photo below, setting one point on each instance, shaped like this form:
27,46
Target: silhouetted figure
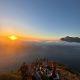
54,72
24,71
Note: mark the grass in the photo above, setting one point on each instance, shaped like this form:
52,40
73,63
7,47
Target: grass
9,76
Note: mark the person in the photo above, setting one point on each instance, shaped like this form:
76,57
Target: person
54,72
24,71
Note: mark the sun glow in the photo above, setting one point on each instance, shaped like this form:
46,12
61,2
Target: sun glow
13,37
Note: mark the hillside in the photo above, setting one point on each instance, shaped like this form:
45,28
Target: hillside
63,72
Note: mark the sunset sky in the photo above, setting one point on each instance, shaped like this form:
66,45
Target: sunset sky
47,19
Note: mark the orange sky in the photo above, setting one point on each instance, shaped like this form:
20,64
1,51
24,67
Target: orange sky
26,38
21,36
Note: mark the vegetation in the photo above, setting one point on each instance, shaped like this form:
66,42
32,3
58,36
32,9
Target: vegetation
9,76
64,72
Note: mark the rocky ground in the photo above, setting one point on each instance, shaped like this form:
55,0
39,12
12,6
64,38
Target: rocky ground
64,73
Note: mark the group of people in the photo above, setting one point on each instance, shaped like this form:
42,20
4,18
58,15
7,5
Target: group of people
39,71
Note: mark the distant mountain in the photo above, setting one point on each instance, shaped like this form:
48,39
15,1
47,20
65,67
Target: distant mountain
71,39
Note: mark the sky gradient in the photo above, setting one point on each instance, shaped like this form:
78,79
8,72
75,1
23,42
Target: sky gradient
46,19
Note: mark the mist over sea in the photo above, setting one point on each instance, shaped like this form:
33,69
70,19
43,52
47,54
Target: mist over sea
11,56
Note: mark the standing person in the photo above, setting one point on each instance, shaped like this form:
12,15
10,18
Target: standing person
54,71
24,71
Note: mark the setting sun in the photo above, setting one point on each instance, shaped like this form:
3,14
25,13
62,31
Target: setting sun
13,37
